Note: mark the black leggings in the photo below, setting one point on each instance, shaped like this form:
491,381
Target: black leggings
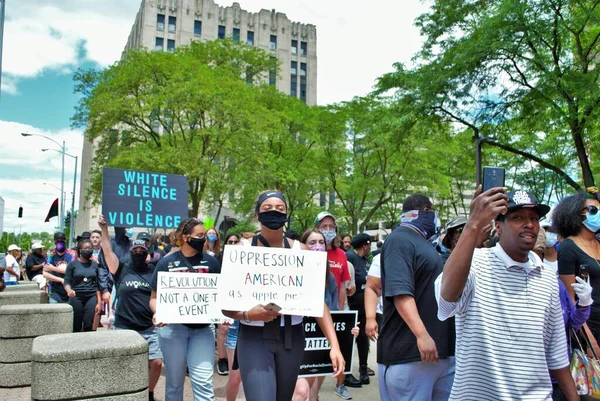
357,303
84,309
268,370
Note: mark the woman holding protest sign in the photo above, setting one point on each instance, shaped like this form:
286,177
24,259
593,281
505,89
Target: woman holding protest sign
187,345
271,345
132,283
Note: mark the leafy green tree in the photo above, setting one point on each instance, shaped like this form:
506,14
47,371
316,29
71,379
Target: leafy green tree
519,74
178,113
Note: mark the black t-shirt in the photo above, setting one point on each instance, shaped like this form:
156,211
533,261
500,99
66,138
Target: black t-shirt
409,266
33,260
82,277
58,291
133,292
176,262
570,259
361,269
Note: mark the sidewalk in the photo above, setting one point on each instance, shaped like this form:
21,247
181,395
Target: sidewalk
369,392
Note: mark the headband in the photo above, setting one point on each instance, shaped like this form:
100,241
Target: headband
266,195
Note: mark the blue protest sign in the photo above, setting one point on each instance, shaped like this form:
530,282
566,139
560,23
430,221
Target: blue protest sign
132,198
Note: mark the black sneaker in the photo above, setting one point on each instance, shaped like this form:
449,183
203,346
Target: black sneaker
223,367
364,375
352,381
151,396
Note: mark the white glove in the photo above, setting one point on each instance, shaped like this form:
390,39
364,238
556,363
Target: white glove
583,291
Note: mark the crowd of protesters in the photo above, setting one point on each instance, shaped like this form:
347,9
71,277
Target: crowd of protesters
481,309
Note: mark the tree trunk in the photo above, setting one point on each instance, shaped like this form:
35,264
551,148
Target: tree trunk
586,171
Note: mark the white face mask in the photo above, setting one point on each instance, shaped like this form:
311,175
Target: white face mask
551,239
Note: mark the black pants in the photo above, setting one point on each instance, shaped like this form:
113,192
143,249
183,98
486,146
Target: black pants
357,303
268,370
84,309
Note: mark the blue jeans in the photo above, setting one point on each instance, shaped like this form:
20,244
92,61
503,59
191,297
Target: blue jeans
192,348
419,381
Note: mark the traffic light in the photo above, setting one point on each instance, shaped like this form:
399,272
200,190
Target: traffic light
20,212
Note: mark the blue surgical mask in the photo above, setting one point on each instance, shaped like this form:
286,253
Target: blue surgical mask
129,233
329,235
212,237
592,222
443,249
551,239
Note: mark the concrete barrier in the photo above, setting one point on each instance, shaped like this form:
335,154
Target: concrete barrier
23,297
23,286
19,325
80,366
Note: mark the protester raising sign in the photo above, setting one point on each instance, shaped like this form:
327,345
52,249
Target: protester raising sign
316,360
143,199
188,298
292,279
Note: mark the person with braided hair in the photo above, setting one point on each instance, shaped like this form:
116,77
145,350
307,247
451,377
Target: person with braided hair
187,345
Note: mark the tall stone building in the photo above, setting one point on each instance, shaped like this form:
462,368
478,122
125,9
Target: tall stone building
163,25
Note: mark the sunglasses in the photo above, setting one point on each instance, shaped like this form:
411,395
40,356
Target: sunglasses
232,242
591,209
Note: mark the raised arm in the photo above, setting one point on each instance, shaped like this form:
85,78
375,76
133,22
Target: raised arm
484,208
112,262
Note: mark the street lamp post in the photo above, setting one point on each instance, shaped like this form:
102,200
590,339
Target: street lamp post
62,179
71,224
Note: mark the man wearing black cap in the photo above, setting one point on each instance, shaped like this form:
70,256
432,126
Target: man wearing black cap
54,271
155,252
358,256
507,303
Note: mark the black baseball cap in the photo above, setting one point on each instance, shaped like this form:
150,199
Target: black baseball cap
144,235
84,235
59,235
520,199
360,240
138,243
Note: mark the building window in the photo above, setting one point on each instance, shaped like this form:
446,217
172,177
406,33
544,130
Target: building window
170,45
294,47
303,49
303,82
250,38
160,22
294,85
322,199
331,198
294,68
236,34
197,28
158,46
172,23
221,33
249,79
273,42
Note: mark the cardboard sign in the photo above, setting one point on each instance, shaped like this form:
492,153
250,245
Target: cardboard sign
292,279
133,198
316,361
188,298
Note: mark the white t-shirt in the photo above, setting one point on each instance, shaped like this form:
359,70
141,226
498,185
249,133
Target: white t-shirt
553,265
11,263
375,271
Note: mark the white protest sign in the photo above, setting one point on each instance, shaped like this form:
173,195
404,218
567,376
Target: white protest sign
188,298
292,279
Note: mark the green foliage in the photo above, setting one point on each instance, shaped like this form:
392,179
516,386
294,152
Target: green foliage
25,240
242,226
520,74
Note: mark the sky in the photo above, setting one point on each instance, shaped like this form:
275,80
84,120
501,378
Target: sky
46,41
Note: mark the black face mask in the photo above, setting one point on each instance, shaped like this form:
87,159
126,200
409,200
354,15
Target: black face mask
197,243
138,260
86,253
272,219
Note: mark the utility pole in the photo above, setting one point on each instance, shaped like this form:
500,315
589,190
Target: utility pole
2,6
